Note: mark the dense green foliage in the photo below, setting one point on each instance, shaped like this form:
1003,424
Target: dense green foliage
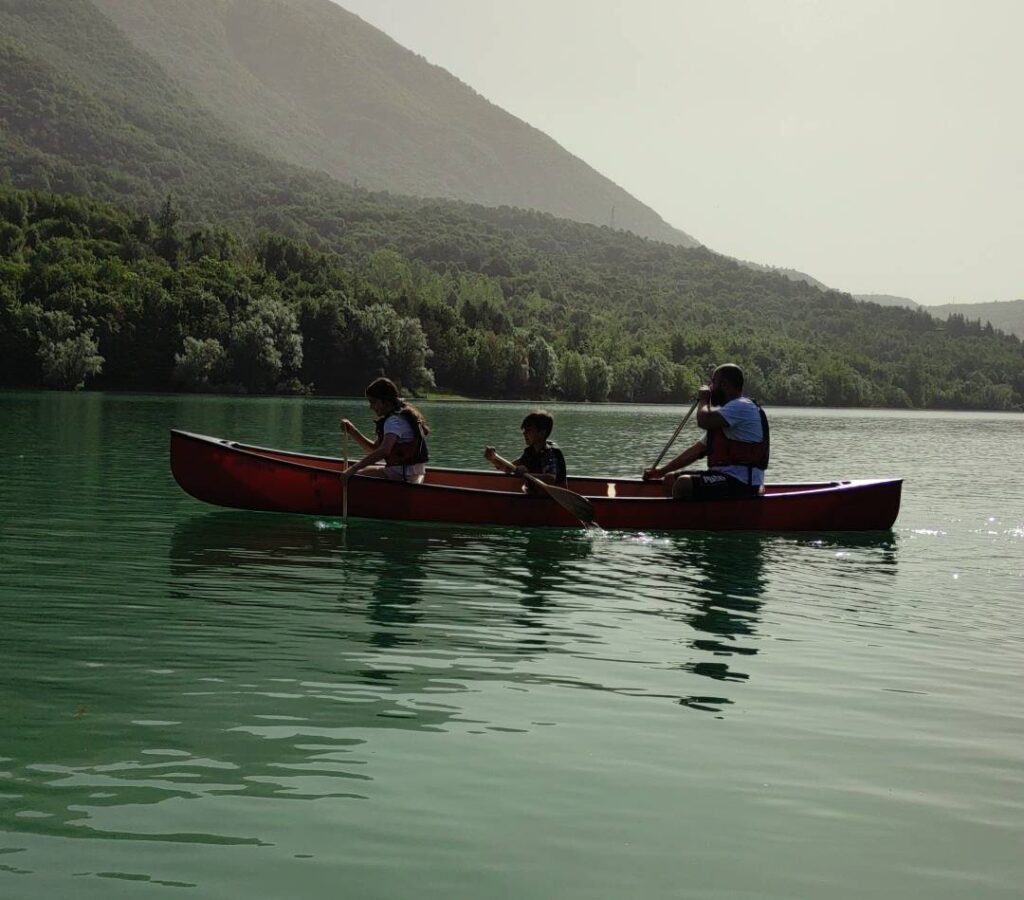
497,303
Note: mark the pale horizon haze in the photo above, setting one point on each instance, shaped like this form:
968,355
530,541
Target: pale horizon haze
876,146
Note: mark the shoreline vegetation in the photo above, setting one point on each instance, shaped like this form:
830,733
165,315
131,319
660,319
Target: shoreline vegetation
527,307
434,397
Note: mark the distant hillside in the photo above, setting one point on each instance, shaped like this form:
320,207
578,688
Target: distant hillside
889,300
307,82
1007,316
83,111
791,274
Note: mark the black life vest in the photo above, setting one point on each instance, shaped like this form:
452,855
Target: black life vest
410,452
723,451
549,461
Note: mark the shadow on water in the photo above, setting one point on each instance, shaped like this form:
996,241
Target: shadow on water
724,577
400,556
374,571
544,571
410,610
727,583
280,651
407,583
399,607
543,556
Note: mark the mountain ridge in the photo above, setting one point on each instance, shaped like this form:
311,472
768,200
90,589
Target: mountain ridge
1006,315
84,112
401,123
888,300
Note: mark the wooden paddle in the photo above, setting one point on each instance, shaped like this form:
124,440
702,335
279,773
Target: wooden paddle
675,434
344,481
579,506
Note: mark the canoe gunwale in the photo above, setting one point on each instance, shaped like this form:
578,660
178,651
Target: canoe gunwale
303,461
233,474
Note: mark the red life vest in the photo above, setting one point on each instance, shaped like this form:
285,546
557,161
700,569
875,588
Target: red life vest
722,451
410,452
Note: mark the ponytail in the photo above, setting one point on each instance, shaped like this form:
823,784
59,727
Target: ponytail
385,390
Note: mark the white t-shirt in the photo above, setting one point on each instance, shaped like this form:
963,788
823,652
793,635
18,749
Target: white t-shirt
744,420
404,433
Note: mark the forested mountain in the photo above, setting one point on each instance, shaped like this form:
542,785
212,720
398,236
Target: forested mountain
308,82
83,111
261,276
1007,316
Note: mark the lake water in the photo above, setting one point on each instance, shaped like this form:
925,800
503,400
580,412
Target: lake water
219,704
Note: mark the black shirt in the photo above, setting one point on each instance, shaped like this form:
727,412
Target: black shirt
548,461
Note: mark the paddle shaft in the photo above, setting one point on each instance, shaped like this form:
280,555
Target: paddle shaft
675,434
344,481
579,506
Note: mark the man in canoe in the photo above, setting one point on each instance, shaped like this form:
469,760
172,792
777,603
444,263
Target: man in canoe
401,438
541,457
735,441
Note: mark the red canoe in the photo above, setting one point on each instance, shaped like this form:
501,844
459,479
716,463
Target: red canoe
230,474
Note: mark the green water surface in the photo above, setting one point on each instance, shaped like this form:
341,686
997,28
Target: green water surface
218,704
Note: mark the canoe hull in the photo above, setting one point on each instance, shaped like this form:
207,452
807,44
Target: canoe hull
233,475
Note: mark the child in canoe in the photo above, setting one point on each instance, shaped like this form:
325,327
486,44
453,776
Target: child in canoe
541,458
400,442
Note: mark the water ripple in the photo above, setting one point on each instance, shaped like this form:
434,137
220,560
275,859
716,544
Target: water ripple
260,702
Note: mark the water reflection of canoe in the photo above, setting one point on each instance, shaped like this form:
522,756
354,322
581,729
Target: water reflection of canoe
236,475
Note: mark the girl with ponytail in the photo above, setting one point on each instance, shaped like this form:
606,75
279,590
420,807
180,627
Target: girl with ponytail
400,441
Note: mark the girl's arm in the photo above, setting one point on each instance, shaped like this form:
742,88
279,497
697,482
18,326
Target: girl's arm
361,439
375,455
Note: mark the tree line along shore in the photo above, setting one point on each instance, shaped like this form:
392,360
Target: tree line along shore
99,296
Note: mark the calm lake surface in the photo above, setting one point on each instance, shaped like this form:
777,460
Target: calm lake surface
206,703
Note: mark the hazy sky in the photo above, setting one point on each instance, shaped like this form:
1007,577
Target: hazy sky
877,145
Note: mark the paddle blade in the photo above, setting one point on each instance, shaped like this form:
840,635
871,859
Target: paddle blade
579,506
576,505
